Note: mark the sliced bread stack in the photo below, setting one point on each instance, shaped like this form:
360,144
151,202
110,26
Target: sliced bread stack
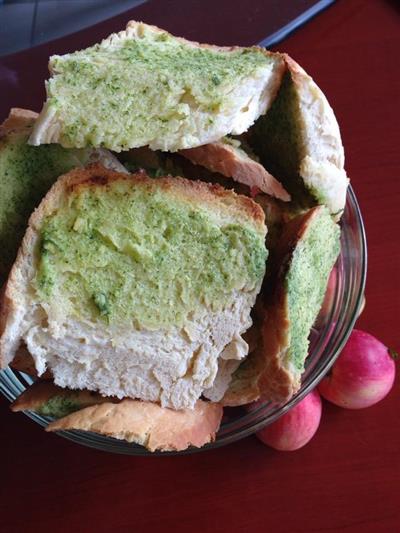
140,289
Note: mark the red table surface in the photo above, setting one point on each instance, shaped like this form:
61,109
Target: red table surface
348,477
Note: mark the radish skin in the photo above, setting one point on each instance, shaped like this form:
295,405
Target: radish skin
362,375
296,428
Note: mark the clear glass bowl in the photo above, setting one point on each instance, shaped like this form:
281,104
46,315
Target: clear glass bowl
329,334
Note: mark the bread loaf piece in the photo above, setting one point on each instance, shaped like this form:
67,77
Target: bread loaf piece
298,141
145,423
148,424
133,287
143,86
308,249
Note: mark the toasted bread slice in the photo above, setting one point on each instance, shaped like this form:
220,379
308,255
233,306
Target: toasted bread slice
134,287
231,161
143,86
307,252
26,174
147,424
45,398
299,142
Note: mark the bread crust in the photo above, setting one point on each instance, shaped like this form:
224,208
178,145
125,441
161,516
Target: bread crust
148,424
187,190
232,163
35,396
18,119
41,392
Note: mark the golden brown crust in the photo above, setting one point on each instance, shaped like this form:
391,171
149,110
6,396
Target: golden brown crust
295,69
244,388
147,423
41,392
192,191
232,163
18,119
276,382
35,396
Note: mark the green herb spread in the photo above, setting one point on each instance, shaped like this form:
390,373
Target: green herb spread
128,93
142,256
26,174
60,406
306,281
276,138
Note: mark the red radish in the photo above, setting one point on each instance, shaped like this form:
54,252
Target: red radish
362,375
296,427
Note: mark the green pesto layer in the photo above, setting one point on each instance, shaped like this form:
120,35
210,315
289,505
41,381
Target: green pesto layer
26,174
306,281
140,255
277,140
129,93
61,405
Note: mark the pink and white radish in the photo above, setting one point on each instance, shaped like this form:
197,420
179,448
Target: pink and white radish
296,427
362,375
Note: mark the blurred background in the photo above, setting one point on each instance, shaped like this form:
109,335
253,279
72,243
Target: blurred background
27,23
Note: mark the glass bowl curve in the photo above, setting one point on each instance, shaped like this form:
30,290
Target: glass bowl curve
329,334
